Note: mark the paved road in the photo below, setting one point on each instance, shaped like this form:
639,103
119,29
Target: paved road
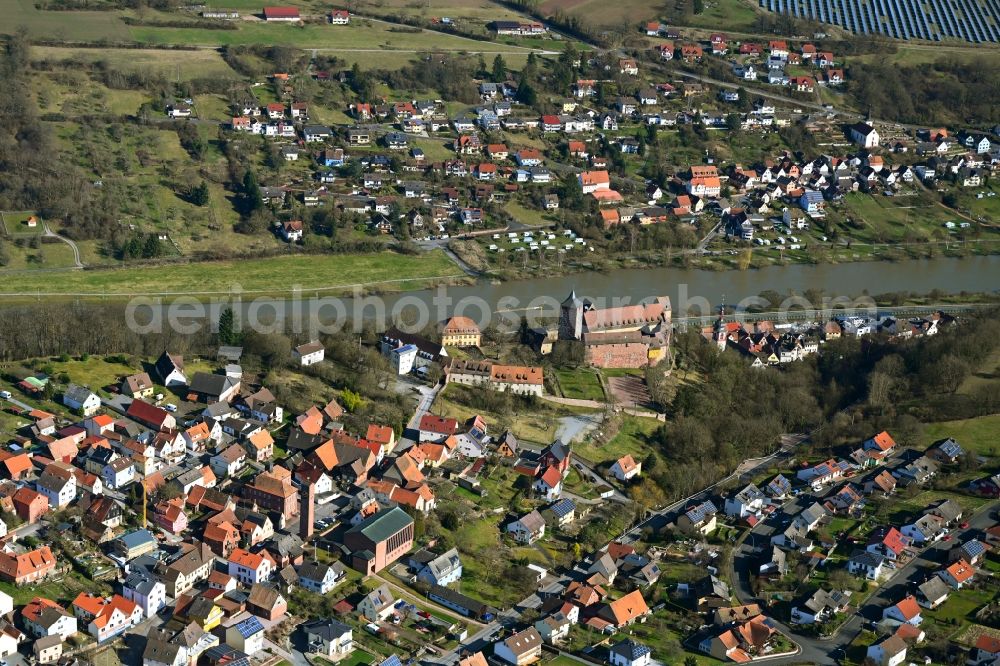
746,470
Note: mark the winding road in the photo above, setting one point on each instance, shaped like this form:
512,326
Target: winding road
76,251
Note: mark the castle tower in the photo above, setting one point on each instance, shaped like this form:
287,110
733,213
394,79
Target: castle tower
571,318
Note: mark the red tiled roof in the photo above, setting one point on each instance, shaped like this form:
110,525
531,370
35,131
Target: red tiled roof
281,12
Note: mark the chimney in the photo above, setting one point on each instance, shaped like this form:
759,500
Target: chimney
307,510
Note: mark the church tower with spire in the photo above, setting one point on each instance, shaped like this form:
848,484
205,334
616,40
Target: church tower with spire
571,318
721,334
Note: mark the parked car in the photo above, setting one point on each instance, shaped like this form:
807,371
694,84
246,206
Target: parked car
5,395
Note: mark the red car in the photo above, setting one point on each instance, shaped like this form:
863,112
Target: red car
946,537
424,614
965,525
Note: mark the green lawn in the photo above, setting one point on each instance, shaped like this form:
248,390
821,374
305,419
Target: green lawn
94,373
960,609
978,434
632,438
275,275
357,658
580,384
532,217
62,591
912,508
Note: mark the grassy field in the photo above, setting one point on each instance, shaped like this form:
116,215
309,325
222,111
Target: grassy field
987,206
14,222
580,384
77,26
182,65
898,218
46,255
313,273
632,437
94,373
363,35
539,425
733,15
529,216
978,434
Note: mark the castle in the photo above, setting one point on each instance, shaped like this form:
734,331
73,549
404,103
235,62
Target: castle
630,336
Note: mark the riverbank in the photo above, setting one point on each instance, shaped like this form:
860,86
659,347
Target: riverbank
509,266
419,279
278,277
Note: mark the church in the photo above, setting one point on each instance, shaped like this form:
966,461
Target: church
630,336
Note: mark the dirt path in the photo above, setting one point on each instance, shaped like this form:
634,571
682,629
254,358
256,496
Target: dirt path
76,251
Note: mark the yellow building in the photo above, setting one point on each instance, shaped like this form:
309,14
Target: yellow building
460,332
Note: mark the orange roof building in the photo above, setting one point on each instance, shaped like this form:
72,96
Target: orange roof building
460,332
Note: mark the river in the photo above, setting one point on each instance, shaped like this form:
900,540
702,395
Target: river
695,291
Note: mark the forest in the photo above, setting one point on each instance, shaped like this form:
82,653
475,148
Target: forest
854,388
947,92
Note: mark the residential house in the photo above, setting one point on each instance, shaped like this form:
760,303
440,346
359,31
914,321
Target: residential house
145,590
329,638
906,611
890,651
528,528
250,568
29,505
137,386
748,502
81,399
377,605
561,512
821,606
628,652
889,543
626,468
554,628
957,574
309,353
228,462
623,611
321,578
870,565
247,636
42,618
442,569
945,451
932,592
58,484
700,518
549,484
522,648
